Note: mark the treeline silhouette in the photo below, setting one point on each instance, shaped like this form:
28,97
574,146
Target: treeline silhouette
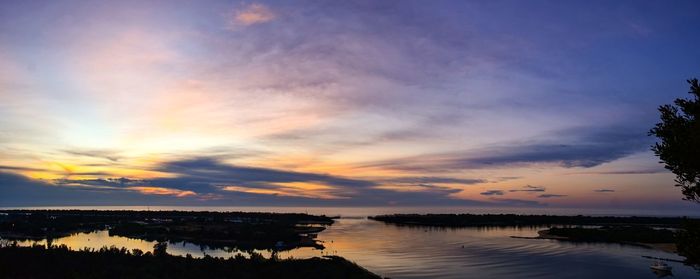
619,234
60,262
507,220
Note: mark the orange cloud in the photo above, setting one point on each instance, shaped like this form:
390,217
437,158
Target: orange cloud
253,14
292,189
162,191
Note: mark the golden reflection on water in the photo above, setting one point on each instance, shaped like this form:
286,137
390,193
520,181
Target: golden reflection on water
98,239
95,240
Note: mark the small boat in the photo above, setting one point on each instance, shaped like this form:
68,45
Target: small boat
660,266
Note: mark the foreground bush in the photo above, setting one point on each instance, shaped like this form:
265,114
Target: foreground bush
60,262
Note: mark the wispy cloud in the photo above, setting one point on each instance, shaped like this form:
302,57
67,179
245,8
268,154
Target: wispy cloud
623,172
19,168
109,182
529,188
432,179
545,196
253,14
208,174
101,154
162,191
205,178
17,190
604,190
492,193
582,147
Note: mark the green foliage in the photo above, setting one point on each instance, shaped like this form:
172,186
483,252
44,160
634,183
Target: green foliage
679,149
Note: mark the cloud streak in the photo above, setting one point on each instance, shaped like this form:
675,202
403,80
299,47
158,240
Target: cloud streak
578,148
432,179
604,190
529,188
209,180
546,196
492,193
100,154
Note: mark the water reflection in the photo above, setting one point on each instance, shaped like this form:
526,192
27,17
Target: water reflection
98,239
414,252
419,252
662,273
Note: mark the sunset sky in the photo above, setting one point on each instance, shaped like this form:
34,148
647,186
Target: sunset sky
340,103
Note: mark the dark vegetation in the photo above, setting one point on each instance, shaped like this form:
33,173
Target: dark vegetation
688,241
215,229
679,150
60,262
513,220
618,234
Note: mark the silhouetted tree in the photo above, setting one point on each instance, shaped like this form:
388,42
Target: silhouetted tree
679,149
160,249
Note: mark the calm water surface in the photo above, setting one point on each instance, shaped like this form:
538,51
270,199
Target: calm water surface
411,252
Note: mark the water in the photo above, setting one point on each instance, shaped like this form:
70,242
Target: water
405,252
411,252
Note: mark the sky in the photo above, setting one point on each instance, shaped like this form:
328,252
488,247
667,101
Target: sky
340,103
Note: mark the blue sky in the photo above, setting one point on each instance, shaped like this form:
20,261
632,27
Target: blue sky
340,103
